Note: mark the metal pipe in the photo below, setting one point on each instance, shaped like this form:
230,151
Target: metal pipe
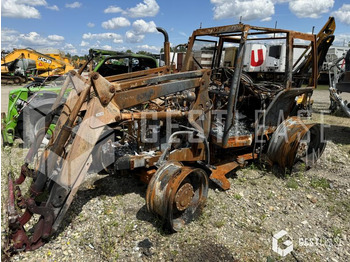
153,115
166,45
335,97
231,107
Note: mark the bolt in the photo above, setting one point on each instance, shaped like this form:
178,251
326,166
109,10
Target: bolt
111,89
95,76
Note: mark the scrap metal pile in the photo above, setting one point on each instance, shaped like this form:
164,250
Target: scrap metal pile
163,124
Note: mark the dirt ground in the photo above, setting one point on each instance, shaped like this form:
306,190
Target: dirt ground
109,221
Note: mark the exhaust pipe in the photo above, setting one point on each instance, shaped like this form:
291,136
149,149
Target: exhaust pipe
166,45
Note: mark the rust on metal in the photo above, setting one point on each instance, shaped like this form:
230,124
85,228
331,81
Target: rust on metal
168,193
183,196
188,154
164,125
293,140
234,141
218,175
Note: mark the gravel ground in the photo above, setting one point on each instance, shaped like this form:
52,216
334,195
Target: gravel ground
108,219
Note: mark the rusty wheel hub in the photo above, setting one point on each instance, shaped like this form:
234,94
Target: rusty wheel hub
177,193
184,196
302,149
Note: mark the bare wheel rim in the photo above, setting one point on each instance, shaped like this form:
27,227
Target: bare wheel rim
186,201
177,194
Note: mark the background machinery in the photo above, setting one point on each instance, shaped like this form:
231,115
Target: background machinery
29,105
339,82
18,64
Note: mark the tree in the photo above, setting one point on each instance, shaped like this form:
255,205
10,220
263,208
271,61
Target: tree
144,53
182,49
162,49
128,51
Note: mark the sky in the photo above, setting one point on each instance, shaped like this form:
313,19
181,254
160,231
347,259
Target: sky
76,26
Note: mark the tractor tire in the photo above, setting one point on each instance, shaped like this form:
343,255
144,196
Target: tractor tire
34,118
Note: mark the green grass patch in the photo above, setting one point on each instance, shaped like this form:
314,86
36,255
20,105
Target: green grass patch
237,196
292,183
320,183
219,223
270,195
322,87
340,208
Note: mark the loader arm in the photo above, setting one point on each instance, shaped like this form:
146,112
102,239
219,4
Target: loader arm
91,106
324,39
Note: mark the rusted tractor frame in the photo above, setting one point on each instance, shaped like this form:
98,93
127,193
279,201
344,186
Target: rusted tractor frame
102,121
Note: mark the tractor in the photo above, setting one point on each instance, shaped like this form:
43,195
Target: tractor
176,130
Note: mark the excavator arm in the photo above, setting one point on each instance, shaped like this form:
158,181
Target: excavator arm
44,62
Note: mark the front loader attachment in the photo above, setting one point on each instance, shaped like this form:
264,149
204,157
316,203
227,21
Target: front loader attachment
59,172
81,135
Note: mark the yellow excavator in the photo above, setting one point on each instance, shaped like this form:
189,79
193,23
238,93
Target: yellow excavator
16,65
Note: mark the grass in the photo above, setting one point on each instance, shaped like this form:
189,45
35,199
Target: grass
302,169
237,196
252,166
108,244
336,231
270,195
320,183
219,223
340,208
292,183
332,159
322,87
129,228
263,217
336,234
204,217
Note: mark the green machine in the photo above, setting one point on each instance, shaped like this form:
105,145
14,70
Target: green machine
29,105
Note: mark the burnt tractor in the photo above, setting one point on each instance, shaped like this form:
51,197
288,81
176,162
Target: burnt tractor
176,129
